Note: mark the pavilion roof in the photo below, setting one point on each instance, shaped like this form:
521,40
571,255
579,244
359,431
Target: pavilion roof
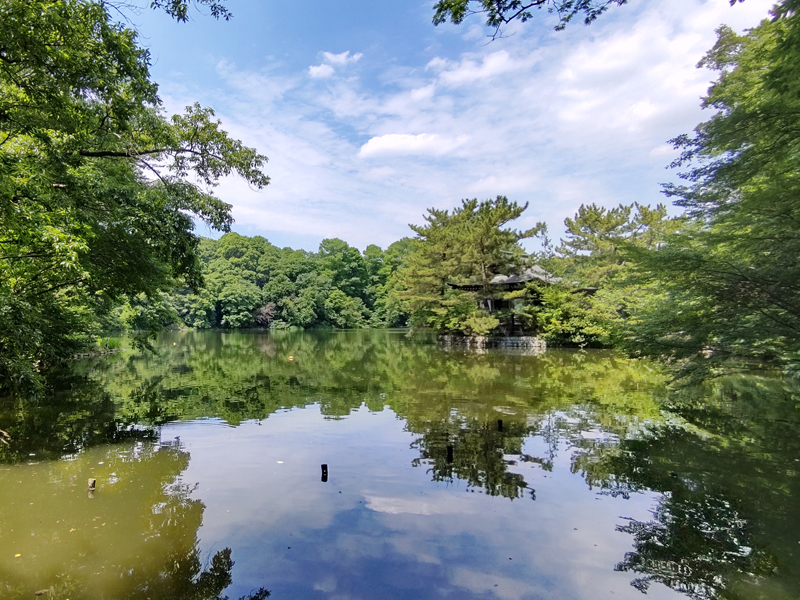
529,274
532,273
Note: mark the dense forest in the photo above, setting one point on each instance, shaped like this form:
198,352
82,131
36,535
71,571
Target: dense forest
249,282
252,283
100,192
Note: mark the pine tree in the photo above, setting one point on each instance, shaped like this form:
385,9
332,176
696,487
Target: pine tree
466,246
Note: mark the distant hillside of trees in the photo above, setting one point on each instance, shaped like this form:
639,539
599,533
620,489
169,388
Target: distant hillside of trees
440,280
250,282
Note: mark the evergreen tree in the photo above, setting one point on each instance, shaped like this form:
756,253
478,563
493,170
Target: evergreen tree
466,246
597,241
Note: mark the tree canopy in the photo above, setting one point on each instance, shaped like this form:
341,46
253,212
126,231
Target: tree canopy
252,283
727,280
468,245
502,12
99,188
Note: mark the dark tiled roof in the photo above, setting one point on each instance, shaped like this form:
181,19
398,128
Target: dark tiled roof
529,274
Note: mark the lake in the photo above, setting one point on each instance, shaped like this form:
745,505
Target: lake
367,465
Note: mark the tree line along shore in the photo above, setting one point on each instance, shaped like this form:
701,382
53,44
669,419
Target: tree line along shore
100,191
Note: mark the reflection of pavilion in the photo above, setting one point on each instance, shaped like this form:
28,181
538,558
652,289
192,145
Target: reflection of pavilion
476,452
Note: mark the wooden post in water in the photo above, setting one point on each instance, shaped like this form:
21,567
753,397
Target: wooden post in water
92,486
324,473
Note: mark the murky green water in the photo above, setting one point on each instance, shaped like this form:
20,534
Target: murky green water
449,475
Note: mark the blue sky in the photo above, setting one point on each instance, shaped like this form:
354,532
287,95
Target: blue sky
369,114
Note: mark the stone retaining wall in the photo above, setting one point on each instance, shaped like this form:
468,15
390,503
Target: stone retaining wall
478,343
97,353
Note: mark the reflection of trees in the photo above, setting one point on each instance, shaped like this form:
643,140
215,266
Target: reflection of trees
240,375
703,539
475,452
178,571
183,578
136,539
726,520
696,544
78,415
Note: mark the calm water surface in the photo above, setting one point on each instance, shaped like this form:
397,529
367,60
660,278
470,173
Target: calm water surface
569,475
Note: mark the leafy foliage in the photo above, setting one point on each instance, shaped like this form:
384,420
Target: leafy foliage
597,241
728,280
503,12
597,292
179,9
251,283
99,189
565,318
466,246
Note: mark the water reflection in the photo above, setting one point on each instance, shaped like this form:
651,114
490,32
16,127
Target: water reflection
78,414
135,538
724,526
477,452
697,500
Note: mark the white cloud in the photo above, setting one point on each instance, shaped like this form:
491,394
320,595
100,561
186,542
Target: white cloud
501,587
326,585
404,143
474,32
437,64
380,172
468,70
342,58
397,505
664,150
320,71
423,93
508,182
326,70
